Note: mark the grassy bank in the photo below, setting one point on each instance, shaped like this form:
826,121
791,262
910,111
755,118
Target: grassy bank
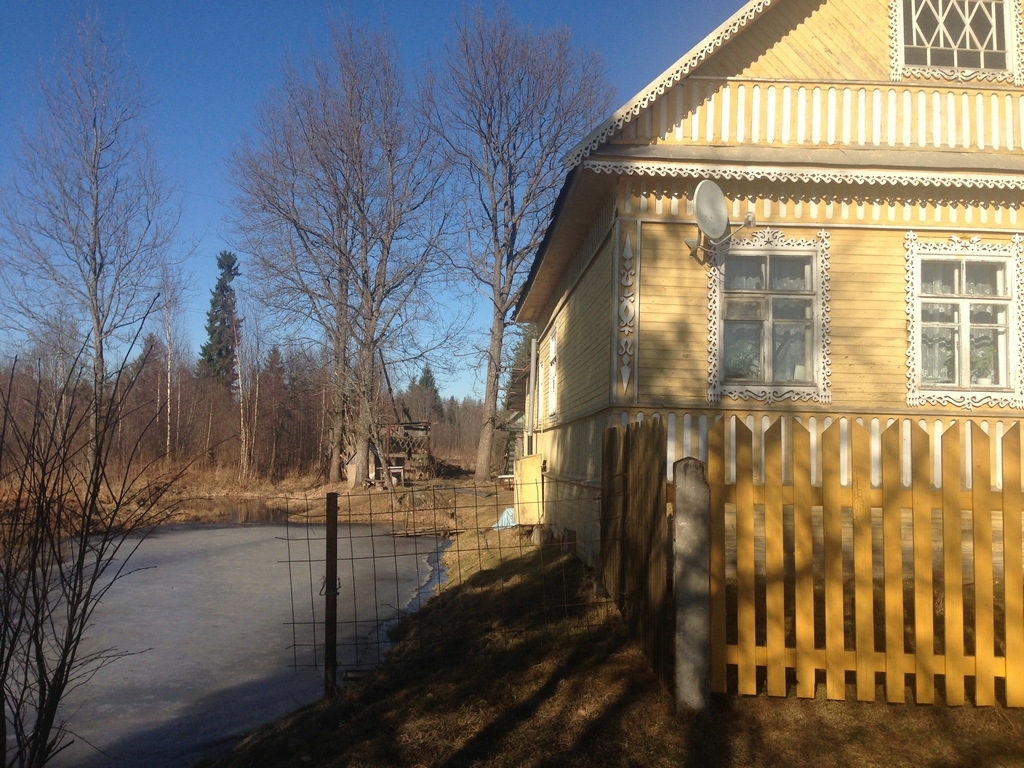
519,661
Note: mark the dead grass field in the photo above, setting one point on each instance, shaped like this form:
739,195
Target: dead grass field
520,661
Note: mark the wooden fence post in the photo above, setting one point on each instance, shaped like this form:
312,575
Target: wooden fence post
692,579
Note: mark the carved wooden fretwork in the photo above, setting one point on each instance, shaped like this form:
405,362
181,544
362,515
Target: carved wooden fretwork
627,314
772,241
900,70
1013,253
806,176
683,67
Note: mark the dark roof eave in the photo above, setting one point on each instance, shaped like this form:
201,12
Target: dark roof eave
542,249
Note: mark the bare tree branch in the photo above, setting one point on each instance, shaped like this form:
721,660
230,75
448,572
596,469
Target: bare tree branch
337,203
507,102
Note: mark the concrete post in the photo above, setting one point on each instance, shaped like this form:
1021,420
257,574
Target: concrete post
692,572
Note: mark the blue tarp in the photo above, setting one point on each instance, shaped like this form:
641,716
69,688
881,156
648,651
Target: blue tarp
507,519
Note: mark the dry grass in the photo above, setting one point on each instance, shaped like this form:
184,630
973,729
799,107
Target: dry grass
519,661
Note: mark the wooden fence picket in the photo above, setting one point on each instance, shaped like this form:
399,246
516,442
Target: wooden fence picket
835,641
924,592
1013,568
892,563
774,559
803,561
984,620
952,568
745,585
863,568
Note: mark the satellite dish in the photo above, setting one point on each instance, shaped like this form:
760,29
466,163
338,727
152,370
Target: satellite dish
711,210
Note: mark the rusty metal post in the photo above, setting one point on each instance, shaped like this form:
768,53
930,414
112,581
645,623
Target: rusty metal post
331,600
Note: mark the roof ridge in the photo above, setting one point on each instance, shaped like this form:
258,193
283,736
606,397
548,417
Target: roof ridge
696,55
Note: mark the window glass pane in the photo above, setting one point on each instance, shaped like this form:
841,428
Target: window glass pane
988,314
742,351
939,277
791,351
986,367
791,309
938,355
955,25
996,60
744,309
985,279
939,313
790,274
744,273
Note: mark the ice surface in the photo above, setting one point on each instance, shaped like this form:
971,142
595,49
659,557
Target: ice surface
220,644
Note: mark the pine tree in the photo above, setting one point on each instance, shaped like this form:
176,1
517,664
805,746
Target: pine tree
218,356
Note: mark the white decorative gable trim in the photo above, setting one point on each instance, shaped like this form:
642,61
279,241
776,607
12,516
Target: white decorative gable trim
1013,252
670,77
899,70
775,241
805,176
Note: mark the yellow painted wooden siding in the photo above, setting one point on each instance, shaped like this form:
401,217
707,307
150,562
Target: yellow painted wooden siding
808,39
821,113
672,338
585,337
863,516
867,277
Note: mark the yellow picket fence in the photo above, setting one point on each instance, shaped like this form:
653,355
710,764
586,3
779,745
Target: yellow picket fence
883,576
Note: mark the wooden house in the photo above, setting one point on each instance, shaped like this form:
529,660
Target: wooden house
879,145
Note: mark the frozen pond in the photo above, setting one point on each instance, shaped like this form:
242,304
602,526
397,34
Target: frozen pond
226,627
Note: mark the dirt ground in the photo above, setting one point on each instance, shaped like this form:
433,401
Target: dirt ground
521,661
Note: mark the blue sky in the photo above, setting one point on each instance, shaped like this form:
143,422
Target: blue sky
207,64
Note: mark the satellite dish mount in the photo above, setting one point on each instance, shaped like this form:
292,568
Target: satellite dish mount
712,213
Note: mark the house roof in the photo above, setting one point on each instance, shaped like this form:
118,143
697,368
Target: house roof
693,58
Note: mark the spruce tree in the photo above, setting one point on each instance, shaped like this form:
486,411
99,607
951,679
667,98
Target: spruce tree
217,356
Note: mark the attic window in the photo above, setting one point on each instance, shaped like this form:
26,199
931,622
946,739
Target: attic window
957,39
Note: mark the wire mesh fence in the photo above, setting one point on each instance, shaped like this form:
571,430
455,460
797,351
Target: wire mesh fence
421,549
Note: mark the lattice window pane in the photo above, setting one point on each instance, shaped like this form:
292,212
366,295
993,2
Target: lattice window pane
959,34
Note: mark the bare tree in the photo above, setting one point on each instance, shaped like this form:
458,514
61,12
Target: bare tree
70,518
507,102
88,217
337,192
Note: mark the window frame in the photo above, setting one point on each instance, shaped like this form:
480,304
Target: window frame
958,250
901,70
767,243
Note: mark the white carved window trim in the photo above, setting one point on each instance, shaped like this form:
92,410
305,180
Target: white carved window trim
552,375
772,241
1011,396
1014,30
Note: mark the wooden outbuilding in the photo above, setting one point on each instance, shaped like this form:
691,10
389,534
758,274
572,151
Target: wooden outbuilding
878,148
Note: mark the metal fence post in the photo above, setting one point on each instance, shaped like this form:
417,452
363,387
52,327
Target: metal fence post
331,600
692,579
